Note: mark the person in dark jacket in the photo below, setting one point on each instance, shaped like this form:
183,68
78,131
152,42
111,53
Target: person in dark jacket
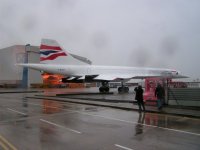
160,94
139,97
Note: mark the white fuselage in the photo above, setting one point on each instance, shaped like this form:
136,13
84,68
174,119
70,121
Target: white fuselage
82,70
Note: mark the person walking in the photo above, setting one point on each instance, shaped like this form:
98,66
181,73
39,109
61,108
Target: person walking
160,94
139,97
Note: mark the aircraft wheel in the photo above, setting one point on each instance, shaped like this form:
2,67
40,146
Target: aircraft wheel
126,89
106,89
123,89
119,89
101,89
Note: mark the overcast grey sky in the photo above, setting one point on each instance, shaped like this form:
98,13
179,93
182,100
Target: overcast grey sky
149,33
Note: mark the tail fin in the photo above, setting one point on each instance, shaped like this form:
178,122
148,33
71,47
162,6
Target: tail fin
50,50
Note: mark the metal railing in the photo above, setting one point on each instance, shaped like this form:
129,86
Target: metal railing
184,96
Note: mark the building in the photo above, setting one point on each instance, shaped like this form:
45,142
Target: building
10,74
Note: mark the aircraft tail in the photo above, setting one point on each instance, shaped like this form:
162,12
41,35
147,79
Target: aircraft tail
50,50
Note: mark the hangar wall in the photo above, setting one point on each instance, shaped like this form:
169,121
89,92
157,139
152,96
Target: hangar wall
12,74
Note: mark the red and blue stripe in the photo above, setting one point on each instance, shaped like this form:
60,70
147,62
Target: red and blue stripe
50,52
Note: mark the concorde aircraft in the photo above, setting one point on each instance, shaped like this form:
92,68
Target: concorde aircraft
50,51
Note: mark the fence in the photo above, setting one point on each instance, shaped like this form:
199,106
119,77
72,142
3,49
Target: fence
184,96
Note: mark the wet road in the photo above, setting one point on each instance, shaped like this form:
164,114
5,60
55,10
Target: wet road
30,124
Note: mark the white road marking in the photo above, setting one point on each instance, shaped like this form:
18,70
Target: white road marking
181,131
123,147
131,122
57,125
17,111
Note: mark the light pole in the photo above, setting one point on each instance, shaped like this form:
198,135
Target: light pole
25,69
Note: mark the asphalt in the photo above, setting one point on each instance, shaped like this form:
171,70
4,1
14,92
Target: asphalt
85,96
125,105
42,124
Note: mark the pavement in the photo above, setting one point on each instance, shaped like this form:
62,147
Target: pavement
125,105
84,96
42,124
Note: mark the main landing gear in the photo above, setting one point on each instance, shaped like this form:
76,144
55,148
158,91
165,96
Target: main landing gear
123,89
104,88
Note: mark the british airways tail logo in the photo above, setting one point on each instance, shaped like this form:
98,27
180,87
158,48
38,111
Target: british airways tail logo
50,52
